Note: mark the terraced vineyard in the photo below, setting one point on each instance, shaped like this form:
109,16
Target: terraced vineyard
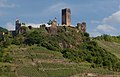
36,61
112,47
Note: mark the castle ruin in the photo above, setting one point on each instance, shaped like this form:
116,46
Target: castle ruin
17,27
66,17
81,27
53,26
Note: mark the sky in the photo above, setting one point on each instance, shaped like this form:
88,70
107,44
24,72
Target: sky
101,16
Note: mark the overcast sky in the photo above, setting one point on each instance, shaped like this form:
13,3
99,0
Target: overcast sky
101,16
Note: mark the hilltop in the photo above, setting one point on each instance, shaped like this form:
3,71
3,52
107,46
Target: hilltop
54,50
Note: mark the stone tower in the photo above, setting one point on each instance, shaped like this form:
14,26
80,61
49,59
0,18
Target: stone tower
17,26
53,28
83,26
66,17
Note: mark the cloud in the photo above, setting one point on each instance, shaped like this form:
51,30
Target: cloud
113,19
119,6
108,25
55,8
58,6
33,25
106,28
5,4
37,25
95,33
10,26
95,22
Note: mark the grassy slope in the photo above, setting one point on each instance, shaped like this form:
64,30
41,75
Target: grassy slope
112,47
34,61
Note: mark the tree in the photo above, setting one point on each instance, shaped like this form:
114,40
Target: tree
117,66
86,34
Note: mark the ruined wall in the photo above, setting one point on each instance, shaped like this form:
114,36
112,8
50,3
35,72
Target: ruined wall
81,27
53,28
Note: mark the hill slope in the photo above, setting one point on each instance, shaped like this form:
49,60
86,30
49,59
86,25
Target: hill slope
35,61
3,29
112,47
69,52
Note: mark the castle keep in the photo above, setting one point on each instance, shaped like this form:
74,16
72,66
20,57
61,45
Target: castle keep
66,17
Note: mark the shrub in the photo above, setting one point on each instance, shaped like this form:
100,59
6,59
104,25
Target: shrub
94,54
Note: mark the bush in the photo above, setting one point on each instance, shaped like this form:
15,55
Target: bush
94,54
86,34
109,38
5,57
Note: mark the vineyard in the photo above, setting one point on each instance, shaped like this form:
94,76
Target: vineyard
36,61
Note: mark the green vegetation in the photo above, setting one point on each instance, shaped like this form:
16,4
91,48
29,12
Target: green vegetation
38,53
65,38
27,63
110,43
109,38
94,54
3,29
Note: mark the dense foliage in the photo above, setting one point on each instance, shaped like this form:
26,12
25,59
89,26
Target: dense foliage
74,45
94,54
65,38
4,55
4,43
3,29
109,38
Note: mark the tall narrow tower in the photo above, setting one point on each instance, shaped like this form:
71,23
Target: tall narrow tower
18,26
66,17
